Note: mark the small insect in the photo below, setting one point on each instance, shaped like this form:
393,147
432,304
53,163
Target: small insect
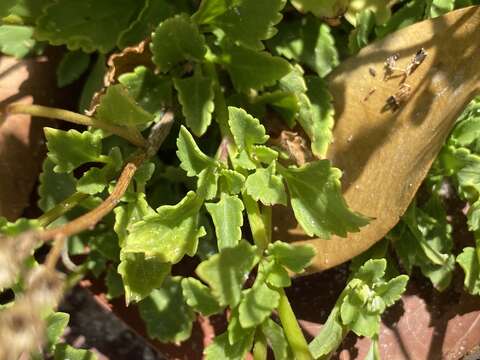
400,97
372,71
418,58
390,65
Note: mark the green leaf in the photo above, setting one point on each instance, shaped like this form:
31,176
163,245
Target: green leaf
95,180
54,187
380,8
295,258
55,324
469,261
16,40
195,94
93,83
330,336
192,159
127,215
5,7
276,339
372,271
118,107
70,149
264,154
207,183
166,314
67,352
71,67
409,14
210,9
152,92
308,41
169,234
153,12
278,276
360,36
315,108
246,129
231,181
222,349
247,22
175,40
250,69
257,305
114,283
359,320
264,186
88,25
319,206
199,297
228,219
440,7
326,8
391,291
141,275
226,272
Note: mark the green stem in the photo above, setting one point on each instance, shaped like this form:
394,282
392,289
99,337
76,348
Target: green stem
260,346
61,208
294,334
257,223
130,134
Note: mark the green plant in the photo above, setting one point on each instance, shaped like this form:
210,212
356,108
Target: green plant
117,188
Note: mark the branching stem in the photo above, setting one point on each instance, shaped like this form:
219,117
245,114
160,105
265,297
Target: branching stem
61,208
89,220
130,134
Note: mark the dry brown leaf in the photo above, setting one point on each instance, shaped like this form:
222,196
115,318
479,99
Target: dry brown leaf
385,153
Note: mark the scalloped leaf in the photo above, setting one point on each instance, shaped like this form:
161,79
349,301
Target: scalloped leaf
167,316
264,186
89,25
192,159
247,22
295,258
199,297
221,348
169,234
118,107
196,95
141,275
226,272
247,130
153,12
323,9
319,206
70,149
152,92
175,40
276,339
257,305
16,40
71,67
307,41
250,69
469,262
228,220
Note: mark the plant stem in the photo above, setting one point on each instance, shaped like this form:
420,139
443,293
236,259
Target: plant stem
89,220
293,332
130,134
61,208
257,223
260,347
